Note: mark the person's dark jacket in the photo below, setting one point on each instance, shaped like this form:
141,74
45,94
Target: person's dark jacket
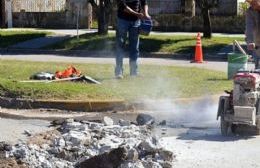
135,5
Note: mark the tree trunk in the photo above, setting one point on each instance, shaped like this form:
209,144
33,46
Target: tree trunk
206,23
103,10
183,6
89,16
102,18
190,8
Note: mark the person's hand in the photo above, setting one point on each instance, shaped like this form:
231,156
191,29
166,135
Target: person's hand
251,46
140,16
147,16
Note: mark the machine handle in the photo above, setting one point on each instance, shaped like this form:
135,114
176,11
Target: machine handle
235,43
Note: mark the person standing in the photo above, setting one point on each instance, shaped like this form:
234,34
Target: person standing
253,30
129,16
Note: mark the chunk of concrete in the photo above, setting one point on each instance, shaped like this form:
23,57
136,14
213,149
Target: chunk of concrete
166,155
124,122
149,145
132,154
145,119
108,121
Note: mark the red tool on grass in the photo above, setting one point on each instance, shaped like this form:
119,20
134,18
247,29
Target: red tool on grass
71,71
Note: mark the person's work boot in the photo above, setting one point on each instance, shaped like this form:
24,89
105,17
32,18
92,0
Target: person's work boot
133,68
119,76
119,73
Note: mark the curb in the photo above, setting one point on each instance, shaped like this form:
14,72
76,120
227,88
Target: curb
108,54
39,116
97,105
70,105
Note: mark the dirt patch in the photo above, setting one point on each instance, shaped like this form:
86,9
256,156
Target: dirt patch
11,163
8,162
44,138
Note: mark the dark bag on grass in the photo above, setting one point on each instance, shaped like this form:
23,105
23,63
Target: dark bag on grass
43,76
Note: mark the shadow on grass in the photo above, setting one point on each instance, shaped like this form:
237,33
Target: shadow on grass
216,79
94,42
11,39
183,46
155,45
211,49
105,43
89,41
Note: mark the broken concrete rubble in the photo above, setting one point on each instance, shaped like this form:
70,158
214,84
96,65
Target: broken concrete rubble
100,145
111,159
124,122
132,164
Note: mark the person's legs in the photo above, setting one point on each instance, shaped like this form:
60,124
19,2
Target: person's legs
121,34
134,47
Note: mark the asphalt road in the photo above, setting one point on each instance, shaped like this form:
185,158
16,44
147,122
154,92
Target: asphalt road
191,132
12,130
213,65
203,148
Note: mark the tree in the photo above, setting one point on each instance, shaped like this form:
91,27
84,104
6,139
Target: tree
104,10
2,13
189,8
205,6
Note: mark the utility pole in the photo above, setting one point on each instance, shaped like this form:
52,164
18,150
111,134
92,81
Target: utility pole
9,13
78,10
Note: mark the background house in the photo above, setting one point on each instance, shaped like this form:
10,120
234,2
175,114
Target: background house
168,15
226,7
177,15
50,13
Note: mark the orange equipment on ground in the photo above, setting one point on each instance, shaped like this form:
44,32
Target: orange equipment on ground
198,51
67,73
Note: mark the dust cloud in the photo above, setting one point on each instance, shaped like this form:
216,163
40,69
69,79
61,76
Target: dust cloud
199,112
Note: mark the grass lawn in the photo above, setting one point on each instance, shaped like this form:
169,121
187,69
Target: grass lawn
154,82
153,43
10,37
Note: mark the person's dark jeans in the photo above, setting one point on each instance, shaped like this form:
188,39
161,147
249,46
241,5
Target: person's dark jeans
256,57
124,28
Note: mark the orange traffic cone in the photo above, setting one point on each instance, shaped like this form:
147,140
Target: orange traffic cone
198,50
